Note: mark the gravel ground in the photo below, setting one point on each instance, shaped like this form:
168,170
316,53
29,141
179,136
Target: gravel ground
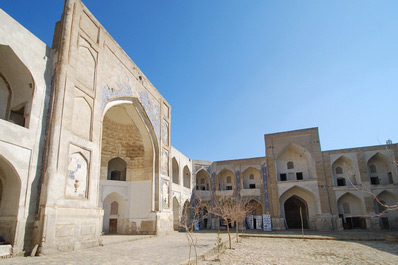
299,251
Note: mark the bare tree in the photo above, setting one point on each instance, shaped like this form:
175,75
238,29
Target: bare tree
230,210
191,215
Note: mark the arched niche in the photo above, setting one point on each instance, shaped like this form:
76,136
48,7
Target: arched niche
16,88
251,178
203,180
296,212
176,214
117,169
175,171
256,207
186,177
226,180
10,201
114,213
306,196
343,172
350,205
381,169
295,163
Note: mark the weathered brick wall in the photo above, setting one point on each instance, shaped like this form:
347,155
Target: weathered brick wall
124,141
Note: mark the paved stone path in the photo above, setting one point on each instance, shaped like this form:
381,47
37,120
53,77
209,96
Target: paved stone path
173,249
167,249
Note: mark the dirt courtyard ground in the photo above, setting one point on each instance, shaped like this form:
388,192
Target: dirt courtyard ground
254,250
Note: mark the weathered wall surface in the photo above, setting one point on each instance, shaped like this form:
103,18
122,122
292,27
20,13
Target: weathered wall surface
93,74
25,68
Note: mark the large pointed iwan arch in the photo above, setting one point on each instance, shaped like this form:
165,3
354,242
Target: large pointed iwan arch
128,134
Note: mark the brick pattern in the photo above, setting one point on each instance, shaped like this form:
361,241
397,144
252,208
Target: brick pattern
124,141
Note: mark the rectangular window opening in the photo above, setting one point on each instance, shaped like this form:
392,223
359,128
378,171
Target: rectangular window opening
283,176
341,182
299,175
374,181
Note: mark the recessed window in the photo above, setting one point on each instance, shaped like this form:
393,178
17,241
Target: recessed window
229,187
290,165
283,176
252,186
341,182
339,170
229,179
17,116
299,175
374,180
114,208
390,180
115,175
251,176
202,181
372,168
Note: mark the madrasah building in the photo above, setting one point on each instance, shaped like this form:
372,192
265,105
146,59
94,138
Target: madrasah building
85,149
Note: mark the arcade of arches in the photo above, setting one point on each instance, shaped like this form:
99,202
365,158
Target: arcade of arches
85,149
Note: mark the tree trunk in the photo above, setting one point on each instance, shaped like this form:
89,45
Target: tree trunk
237,231
229,234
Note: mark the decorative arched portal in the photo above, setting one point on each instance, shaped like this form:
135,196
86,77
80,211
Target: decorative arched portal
385,201
129,144
295,163
203,180
114,213
381,169
9,201
296,212
251,178
176,214
301,198
343,172
226,180
351,210
254,218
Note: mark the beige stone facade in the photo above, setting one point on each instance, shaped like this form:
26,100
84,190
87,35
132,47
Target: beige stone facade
85,149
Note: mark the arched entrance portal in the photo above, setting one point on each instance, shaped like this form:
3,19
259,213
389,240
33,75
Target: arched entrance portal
292,212
129,167
9,202
176,214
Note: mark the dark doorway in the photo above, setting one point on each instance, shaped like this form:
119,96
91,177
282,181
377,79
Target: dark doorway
112,226
292,212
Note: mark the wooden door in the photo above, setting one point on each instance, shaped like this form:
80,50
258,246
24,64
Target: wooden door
112,226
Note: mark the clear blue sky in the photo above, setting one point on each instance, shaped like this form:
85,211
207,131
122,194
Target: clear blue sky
236,70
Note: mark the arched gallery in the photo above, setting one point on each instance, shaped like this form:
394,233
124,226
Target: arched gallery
86,149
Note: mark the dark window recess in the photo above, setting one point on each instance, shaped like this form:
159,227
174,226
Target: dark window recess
299,175
252,186
229,187
283,176
374,181
340,181
390,180
17,116
373,168
290,165
115,175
